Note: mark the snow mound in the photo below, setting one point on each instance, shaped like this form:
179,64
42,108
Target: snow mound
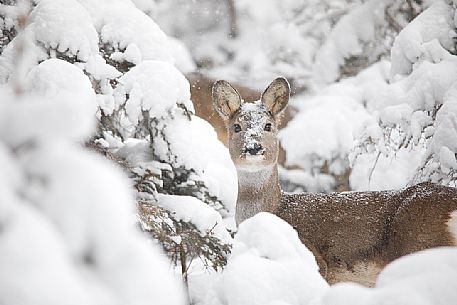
156,86
65,26
268,265
34,279
430,261
66,100
424,37
33,54
422,278
120,24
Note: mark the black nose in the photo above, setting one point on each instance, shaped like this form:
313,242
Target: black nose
254,150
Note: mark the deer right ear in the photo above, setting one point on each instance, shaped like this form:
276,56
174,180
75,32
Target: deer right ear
226,99
276,96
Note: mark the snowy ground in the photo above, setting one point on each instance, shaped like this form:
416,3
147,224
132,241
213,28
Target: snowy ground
375,94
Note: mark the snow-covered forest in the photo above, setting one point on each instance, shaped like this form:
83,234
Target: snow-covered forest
116,184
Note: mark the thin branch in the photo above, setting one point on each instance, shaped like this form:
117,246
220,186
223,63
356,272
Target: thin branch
372,169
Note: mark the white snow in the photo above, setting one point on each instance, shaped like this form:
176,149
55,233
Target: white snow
156,86
145,5
182,56
190,209
72,209
418,104
268,265
327,124
47,276
120,24
196,146
96,66
347,38
66,215
131,54
310,134
257,116
32,55
373,172
68,101
444,141
314,183
68,208
410,44
64,25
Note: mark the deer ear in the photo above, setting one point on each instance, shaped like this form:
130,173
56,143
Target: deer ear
226,99
276,96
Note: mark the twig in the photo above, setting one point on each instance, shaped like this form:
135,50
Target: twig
372,169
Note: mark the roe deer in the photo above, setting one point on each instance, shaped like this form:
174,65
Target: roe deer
200,90
353,235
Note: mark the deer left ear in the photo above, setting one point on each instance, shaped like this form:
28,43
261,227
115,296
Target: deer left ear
276,96
226,100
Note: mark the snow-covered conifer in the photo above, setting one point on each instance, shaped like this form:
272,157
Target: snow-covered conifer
416,112
141,101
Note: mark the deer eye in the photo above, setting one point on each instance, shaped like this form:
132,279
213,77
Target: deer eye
267,127
237,127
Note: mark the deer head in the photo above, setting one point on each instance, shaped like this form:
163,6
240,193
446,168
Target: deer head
252,127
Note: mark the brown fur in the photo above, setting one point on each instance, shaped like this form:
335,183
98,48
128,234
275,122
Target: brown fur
353,235
370,227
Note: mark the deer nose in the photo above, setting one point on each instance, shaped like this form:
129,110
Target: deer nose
254,150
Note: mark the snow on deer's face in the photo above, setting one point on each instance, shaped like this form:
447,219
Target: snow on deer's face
253,136
252,127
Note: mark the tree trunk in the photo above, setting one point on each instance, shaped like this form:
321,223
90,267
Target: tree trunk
233,31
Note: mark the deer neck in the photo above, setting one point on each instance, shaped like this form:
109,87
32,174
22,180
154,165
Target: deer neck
258,191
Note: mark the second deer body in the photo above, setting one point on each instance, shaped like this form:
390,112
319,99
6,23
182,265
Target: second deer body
353,235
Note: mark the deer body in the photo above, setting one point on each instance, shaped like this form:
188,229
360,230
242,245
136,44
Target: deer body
353,235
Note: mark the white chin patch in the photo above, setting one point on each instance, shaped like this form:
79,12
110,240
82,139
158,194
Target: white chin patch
255,158
251,168
252,163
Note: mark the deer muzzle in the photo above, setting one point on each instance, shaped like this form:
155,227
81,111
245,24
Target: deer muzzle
253,149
